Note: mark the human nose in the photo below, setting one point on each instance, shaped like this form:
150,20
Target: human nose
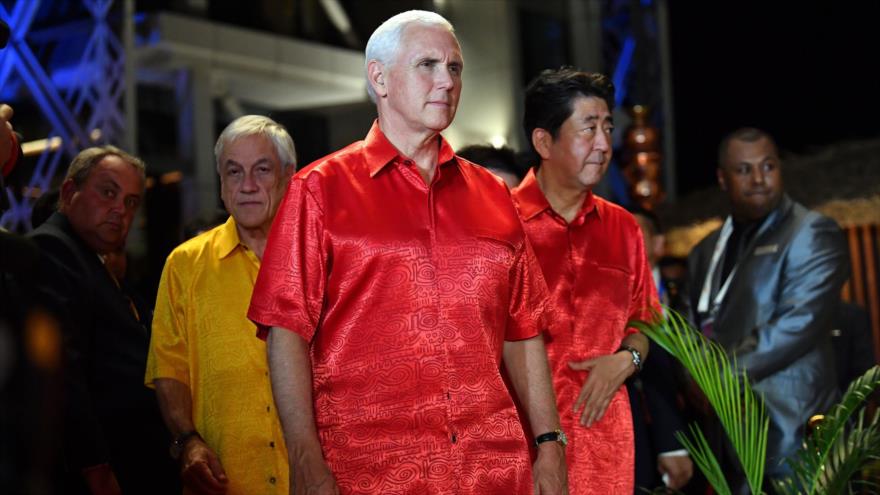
249,183
603,141
443,79
118,204
758,176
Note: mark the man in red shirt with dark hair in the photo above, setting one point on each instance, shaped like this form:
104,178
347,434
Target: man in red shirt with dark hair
593,259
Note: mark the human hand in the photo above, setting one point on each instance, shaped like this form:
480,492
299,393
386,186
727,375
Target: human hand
200,469
6,141
677,470
312,476
606,375
101,480
550,473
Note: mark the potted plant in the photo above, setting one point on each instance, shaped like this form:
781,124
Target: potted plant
844,443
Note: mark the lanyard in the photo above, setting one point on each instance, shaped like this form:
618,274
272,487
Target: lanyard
703,305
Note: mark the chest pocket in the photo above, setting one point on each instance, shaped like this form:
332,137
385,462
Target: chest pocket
492,247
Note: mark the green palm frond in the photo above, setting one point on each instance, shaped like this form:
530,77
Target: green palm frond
739,410
704,458
831,455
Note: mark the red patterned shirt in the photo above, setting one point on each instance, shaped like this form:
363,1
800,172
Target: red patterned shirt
406,293
599,279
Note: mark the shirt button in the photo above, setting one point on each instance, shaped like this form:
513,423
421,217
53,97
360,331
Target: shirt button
272,444
268,408
454,438
272,480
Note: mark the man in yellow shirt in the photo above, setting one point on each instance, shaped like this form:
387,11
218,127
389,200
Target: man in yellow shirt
205,362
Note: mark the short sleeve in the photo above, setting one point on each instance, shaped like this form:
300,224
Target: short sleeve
168,355
645,303
529,297
289,291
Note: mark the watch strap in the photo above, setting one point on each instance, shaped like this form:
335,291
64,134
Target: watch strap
636,355
551,436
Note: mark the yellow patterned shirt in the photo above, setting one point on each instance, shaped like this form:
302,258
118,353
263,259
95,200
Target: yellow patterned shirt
202,338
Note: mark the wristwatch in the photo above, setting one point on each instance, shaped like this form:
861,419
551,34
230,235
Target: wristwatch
636,355
179,443
556,435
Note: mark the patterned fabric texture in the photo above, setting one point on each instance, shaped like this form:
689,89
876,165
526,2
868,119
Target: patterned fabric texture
406,292
599,279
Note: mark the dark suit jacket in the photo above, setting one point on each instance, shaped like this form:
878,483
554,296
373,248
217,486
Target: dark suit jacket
656,418
853,343
776,316
109,414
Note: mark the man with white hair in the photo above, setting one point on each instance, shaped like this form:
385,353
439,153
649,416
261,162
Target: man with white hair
210,373
396,279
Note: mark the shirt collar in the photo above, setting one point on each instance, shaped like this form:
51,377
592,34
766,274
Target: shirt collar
530,197
532,200
379,151
590,205
227,239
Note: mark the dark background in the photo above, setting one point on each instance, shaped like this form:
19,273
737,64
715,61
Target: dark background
808,73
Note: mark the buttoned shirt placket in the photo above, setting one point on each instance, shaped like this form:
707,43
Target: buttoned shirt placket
408,168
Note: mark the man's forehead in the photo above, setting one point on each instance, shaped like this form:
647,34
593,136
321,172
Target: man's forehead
741,150
130,183
249,149
414,41
113,168
589,109
592,105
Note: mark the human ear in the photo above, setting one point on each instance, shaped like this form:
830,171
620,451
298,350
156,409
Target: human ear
541,140
376,77
721,182
68,189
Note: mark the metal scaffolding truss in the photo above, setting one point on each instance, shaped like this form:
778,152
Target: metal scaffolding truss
81,99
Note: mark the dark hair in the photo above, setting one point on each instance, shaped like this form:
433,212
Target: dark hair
650,216
747,134
85,161
549,98
503,159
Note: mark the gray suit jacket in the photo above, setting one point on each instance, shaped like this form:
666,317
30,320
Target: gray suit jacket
776,317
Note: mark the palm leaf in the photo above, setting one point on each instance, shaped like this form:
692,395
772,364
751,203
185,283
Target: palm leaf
739,410
831,456
849,454
705,459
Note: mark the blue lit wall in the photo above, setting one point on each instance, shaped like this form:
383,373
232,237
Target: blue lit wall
63,57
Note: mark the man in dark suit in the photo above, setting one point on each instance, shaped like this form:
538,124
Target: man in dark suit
113,433
660,458
765,287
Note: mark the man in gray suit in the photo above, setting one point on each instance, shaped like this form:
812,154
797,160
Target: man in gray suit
765,286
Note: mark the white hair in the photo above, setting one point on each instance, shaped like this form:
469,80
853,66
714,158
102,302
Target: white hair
385,40
258,125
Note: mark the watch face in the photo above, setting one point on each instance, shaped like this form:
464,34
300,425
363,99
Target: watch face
563,439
